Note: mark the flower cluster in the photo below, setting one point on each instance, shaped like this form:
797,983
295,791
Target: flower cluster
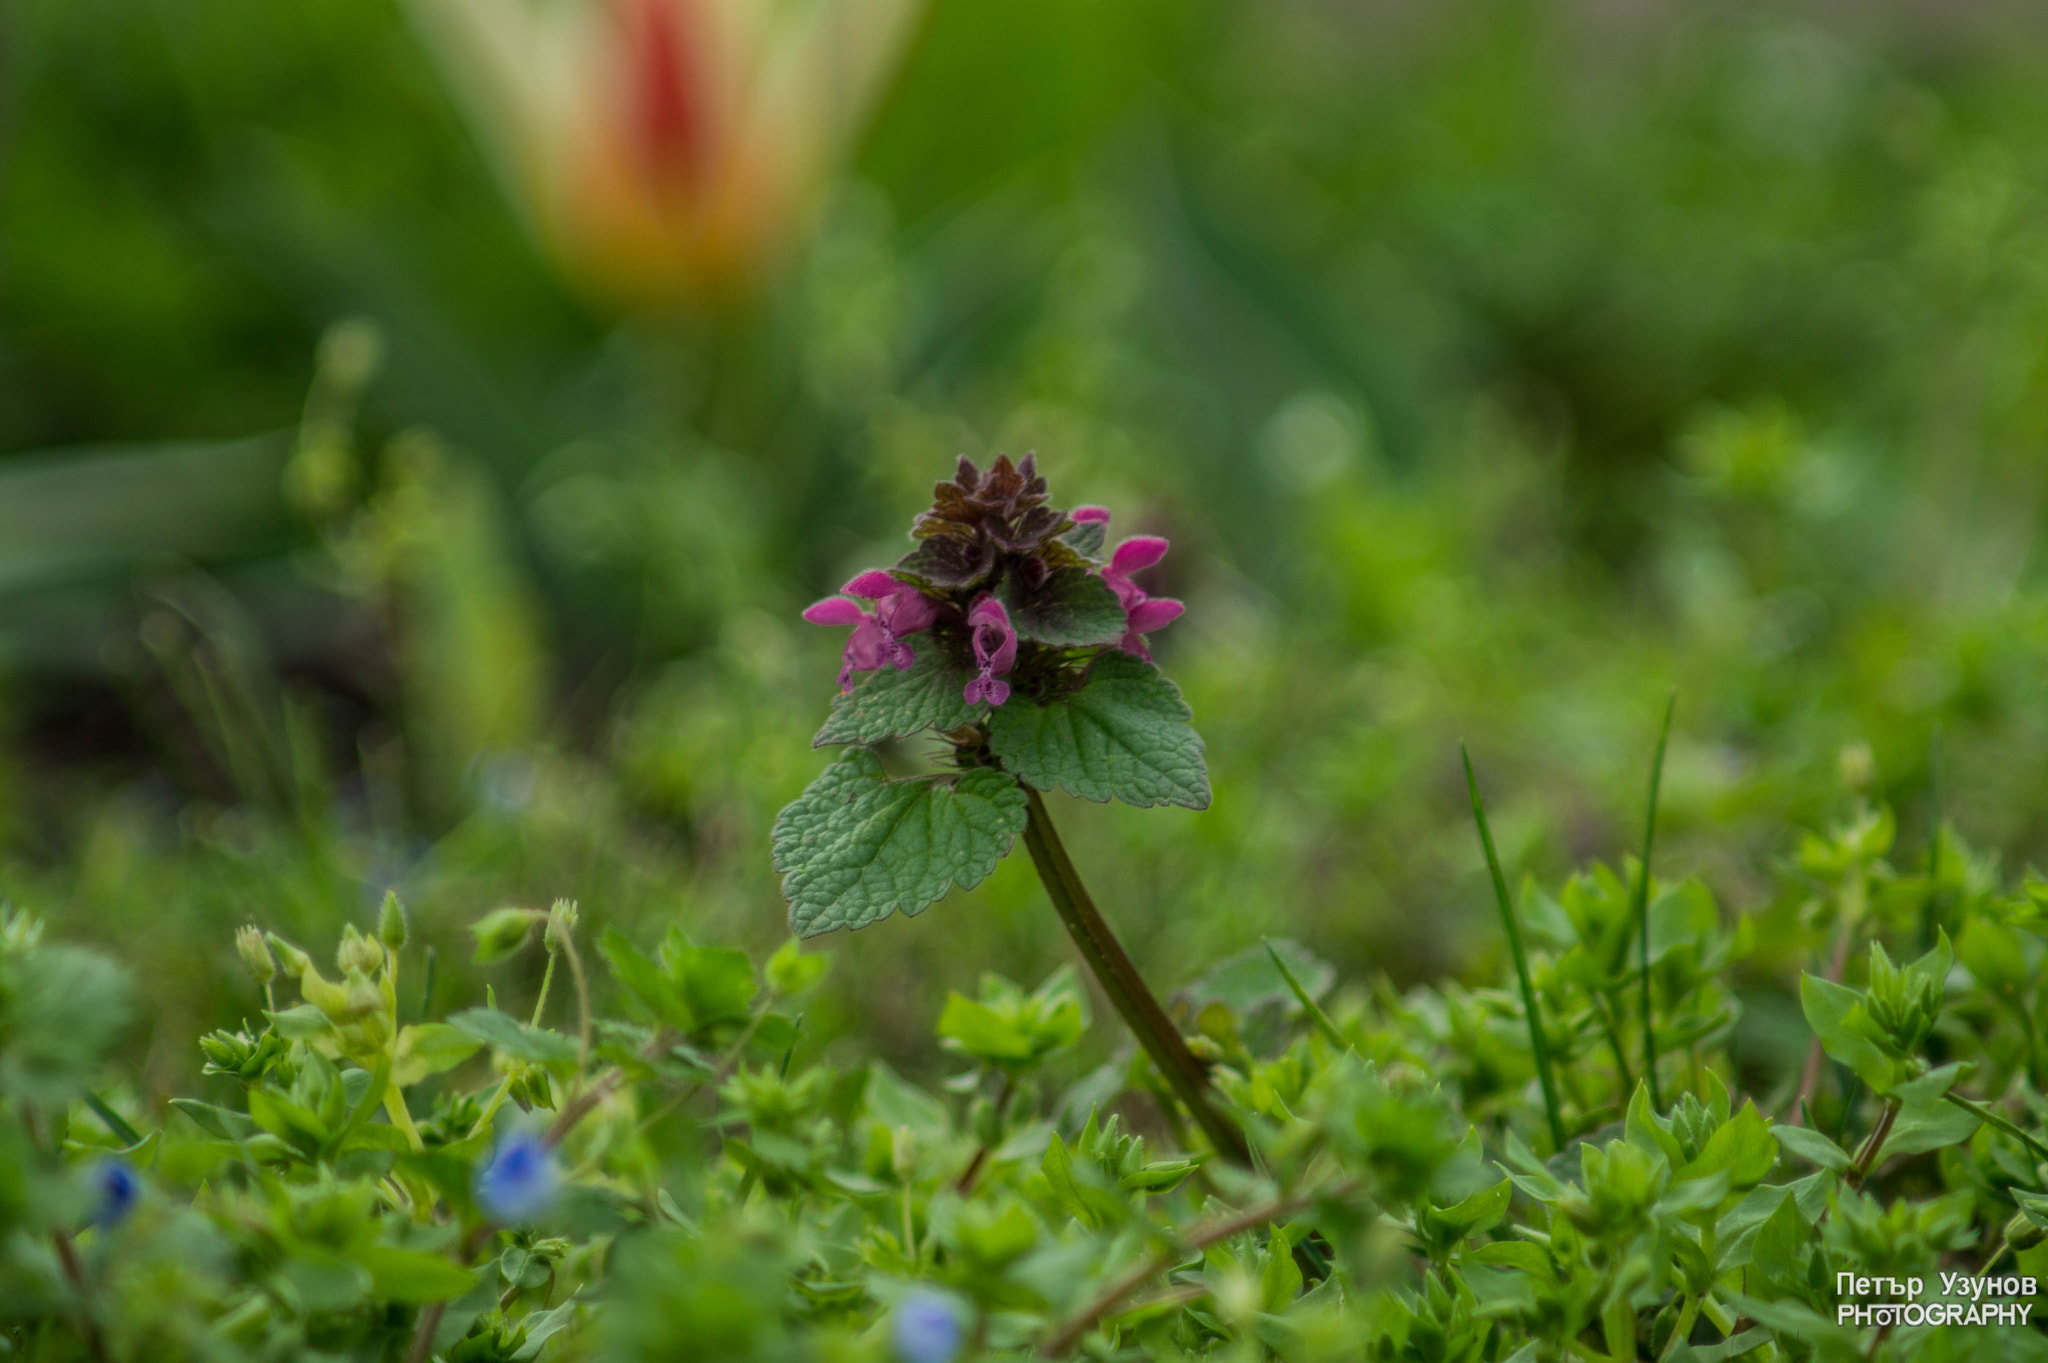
1004,585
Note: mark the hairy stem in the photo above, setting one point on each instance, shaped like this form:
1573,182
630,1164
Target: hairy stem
1537,1044
1120,980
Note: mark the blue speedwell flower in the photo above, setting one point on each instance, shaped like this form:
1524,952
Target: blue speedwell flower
116,1188
520,1181
927,1329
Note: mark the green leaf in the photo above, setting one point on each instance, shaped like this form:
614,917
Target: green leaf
790,971
1475,1215
501,933
1072,608
1928,1123
1812,1147
410,1276
718,982
430,1048
1740,1147
222,1122
643,978
978,1030
1831,1010
1125,735
505,1033
929,694
1079,1188
301,1022
1519,1254
857,846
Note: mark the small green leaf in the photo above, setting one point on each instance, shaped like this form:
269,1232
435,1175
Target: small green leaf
410,1276
790,971
1519,1254
1072,608
1079,1187
929,694
430,1048
301,1022
857,846
505,1033
1928,1123
1477,1214
1124,735
977,1030
643,978
222,1122
1831,1010
1812,1147
718,982
501,932
1741,1148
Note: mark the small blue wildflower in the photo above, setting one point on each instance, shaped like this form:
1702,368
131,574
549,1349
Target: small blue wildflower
520,1181
117,1188
927,1329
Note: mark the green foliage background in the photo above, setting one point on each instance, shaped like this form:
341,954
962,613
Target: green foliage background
1495,367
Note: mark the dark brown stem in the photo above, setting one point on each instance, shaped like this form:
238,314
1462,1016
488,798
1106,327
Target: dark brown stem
965,1184
579,1107
1874,1145
422,1346
68,1257
1120,980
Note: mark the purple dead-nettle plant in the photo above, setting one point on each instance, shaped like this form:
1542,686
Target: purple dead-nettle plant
1014,639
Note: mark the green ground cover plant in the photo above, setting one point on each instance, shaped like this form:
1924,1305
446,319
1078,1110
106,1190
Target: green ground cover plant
659,1158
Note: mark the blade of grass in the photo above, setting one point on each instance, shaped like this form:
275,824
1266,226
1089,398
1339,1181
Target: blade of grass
1930,904
118,1124
1309,1005
1642,904
1537,1043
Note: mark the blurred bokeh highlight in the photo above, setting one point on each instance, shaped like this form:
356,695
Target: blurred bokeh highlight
423,422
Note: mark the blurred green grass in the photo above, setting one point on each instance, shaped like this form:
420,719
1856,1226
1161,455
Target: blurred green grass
1494,369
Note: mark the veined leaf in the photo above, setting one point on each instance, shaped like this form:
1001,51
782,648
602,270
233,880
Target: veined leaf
929,694
1072,608
1125,735
857,846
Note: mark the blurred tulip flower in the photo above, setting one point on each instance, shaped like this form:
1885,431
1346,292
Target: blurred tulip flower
667,150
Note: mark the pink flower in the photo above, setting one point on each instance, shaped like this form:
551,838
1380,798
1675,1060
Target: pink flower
1089,515
995,650
900,610
1142,613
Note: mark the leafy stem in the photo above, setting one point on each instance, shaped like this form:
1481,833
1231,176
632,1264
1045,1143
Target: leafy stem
1112,968
1061,1341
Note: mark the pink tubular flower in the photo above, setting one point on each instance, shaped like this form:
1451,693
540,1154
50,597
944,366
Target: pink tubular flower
995,649
900,610
1089,515
1142,613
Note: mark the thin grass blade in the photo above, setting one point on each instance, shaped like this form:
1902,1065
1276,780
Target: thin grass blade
1642,896
1537,1043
